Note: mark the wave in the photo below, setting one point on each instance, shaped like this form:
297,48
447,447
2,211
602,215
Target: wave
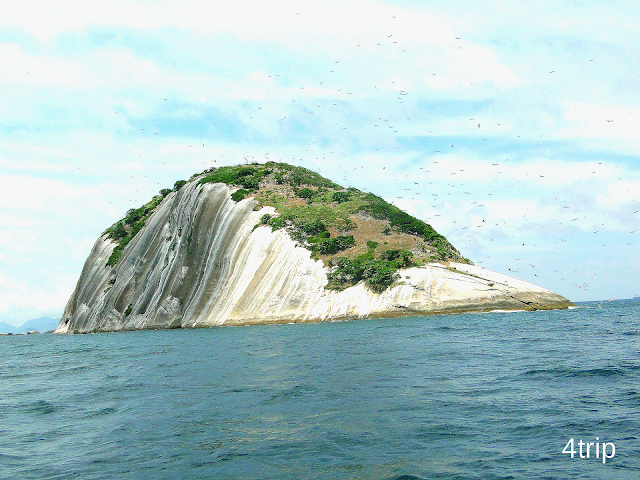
41,407
406,477
294,392
577,372
101,412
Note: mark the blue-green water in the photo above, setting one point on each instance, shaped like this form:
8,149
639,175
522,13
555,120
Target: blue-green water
476,396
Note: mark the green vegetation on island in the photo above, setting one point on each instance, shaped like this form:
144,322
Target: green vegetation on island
359,235
124,230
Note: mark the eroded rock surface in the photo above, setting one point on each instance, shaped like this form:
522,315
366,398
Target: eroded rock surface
199,261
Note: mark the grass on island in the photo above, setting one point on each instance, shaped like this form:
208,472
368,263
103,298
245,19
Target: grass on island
359,235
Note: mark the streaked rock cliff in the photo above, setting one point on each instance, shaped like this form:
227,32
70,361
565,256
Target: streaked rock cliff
200,261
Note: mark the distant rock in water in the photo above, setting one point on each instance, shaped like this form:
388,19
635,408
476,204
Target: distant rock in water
275,243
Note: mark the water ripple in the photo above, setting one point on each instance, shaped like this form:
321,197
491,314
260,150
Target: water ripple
478,396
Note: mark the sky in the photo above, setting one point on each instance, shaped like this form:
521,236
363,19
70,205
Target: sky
510,126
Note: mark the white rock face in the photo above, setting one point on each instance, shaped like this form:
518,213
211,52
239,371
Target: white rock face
199,262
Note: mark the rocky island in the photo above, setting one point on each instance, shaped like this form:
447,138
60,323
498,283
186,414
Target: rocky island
273,243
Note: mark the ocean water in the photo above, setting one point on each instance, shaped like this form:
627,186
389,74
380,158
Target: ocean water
468,396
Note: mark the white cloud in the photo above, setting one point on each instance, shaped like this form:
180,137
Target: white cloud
24,192
469,68
5,280
19,297
601,121
622,192
22,68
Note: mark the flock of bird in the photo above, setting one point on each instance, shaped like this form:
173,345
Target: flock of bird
426,189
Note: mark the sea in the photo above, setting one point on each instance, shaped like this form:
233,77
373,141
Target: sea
500,395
